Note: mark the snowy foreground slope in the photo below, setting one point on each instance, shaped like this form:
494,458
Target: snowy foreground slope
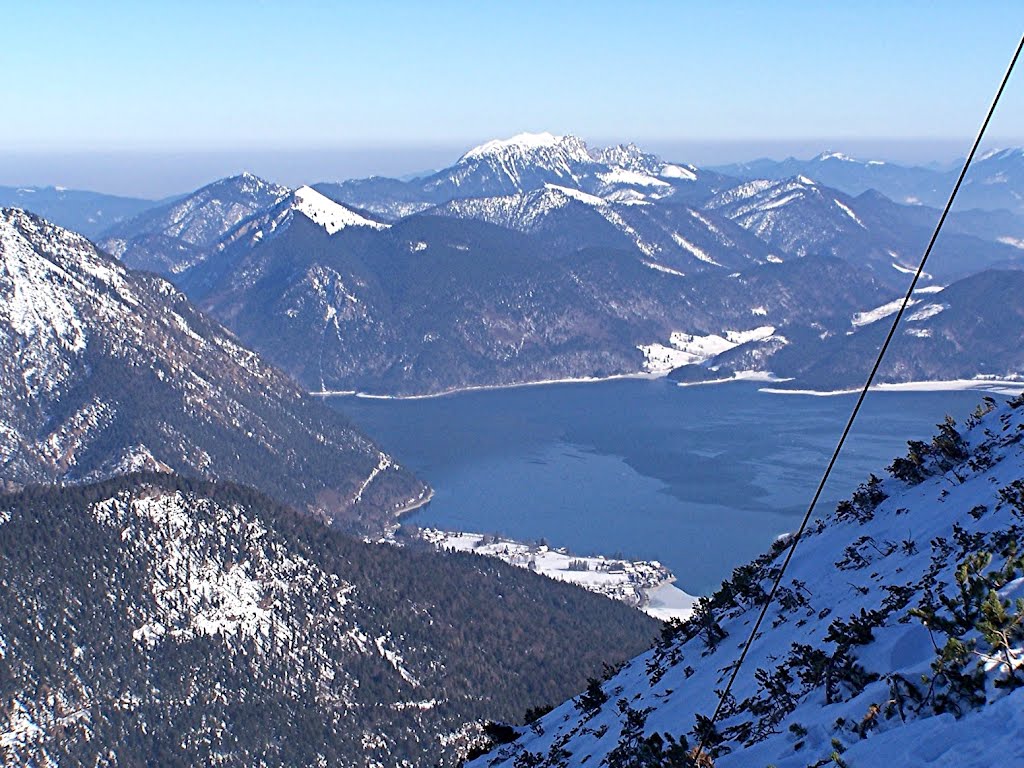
896,637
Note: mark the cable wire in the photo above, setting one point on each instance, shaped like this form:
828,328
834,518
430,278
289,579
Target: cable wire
860,400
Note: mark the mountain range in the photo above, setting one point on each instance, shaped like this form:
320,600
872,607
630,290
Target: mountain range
180,579
89,213
993,182
594,261
169,238
597,258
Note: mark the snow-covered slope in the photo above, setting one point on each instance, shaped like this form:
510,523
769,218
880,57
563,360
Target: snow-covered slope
104,370
796,215
328,214
517,163
896,638
674,237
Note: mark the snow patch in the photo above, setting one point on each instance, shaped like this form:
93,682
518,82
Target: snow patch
690,349
873,315
670,171
633,178
330,215
645,584
662,268
846,209
928,310
693,249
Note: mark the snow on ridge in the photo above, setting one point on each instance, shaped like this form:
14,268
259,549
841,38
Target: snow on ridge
328,214
873,315
576,194
673,171
846,209
522,142
624,176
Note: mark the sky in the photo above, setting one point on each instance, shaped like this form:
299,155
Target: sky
157,97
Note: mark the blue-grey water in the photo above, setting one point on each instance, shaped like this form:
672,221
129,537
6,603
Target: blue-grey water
701,478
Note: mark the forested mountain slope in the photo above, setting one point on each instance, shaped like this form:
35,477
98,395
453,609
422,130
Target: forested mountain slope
151,620
104,370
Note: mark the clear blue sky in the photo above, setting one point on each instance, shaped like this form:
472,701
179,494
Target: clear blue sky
410,83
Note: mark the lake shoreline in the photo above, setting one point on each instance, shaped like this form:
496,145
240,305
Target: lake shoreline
998,386
490,387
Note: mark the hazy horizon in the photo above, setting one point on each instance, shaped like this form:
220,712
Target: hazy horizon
157,100
159,174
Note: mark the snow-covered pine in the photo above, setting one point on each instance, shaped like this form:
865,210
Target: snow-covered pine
896,637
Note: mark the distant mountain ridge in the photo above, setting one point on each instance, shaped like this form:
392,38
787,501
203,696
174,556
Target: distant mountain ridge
435,303
89,213
995,180
798,216
528,162
171,237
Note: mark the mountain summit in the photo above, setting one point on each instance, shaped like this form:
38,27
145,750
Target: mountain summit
172,237
529,162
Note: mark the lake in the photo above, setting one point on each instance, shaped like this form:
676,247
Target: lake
701,478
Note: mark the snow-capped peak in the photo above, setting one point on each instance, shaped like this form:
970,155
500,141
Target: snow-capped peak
519,141
526,143
835,156
625,155
328,214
